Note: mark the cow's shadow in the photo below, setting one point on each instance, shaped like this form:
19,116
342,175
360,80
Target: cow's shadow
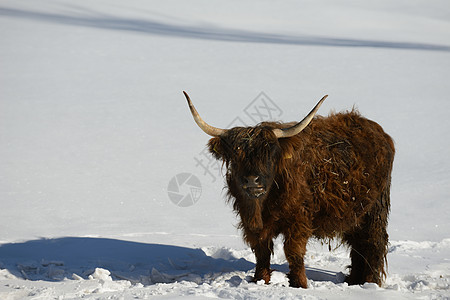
78,257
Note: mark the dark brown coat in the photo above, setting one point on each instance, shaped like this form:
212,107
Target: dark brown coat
330,180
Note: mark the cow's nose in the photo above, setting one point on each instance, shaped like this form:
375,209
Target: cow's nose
251,181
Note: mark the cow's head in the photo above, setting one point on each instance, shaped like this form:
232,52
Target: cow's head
251,155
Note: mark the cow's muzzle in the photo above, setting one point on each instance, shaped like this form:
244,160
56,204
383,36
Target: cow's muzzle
253,187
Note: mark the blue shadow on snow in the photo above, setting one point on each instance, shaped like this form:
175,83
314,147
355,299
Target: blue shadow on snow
60,258
80,16
56,259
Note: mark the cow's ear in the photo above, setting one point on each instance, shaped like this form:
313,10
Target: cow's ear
287,151
216,148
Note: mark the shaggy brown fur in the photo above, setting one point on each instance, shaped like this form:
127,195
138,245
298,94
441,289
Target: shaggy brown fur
330,180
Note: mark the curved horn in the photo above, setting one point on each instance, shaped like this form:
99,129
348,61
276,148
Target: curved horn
297,128
208,129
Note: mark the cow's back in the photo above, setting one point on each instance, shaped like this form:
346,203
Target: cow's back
349,160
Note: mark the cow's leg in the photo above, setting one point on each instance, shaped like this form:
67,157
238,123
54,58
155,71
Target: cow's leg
369,246
295,249
263,250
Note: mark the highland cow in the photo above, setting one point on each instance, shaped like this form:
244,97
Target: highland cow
323,177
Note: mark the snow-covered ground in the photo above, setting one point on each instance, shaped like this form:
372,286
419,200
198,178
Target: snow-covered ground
94,130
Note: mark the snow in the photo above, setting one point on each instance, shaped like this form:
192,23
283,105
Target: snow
94,127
